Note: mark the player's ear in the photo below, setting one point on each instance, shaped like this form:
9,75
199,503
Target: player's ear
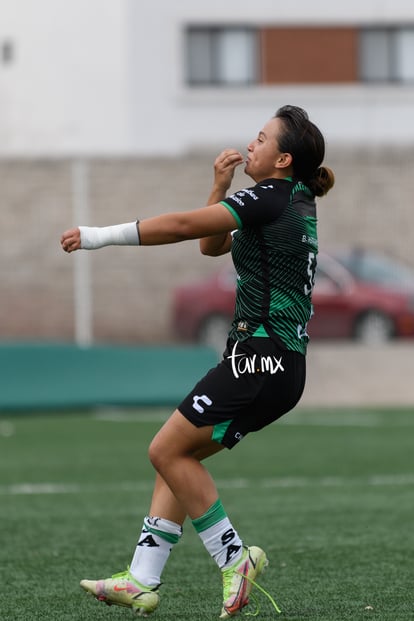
283,160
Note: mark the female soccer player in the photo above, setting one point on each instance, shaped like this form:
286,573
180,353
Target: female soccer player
270,229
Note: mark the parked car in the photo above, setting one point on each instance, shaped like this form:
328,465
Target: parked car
358,295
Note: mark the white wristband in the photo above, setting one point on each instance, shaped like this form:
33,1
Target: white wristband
93,237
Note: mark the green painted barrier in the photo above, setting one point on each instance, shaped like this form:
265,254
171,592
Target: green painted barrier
57,376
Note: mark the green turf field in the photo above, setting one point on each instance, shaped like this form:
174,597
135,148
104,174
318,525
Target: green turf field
328,494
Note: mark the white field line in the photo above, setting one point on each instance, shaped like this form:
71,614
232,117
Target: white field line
300,419
379,480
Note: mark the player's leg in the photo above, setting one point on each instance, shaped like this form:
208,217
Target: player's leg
176,453
137,587
162,529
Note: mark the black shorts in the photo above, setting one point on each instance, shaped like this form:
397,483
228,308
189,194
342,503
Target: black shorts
255,383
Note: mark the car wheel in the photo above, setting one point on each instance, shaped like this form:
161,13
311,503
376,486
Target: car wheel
214,332
374,327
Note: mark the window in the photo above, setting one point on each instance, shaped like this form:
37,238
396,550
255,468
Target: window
221,56
405,54
376,55
386,55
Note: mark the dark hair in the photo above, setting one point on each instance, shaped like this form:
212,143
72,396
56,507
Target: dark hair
304,141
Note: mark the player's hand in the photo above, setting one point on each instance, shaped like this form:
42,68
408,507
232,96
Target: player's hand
224,166
71,240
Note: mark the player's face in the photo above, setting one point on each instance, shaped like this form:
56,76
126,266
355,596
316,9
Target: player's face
263,157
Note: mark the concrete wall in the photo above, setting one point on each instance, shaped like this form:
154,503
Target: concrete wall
65,89
350,375
131,288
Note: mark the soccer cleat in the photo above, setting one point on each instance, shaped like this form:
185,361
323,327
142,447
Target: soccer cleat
123,590
239,579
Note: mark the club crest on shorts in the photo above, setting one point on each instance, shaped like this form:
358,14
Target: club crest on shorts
204,399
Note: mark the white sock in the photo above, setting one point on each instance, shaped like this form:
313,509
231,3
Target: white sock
218,535
223,543
154,546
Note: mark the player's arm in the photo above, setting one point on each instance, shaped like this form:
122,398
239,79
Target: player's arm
224,167
164,229
171,228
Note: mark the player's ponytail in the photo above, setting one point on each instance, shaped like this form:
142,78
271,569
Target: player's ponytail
322,182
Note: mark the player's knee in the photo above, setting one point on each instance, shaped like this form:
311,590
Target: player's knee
157,455
152,454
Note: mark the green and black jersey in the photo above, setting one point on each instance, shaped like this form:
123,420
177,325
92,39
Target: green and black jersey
274,252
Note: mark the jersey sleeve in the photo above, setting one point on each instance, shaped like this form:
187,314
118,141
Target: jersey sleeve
261,204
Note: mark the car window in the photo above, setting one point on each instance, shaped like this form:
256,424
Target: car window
377,269
324,284
330,273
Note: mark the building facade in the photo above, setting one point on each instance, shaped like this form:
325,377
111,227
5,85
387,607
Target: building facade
155,77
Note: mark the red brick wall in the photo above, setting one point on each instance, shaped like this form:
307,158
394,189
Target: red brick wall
309,55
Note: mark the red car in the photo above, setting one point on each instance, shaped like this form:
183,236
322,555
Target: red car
357,294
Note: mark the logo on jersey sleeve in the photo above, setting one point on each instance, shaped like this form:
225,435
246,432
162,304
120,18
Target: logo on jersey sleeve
240,195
